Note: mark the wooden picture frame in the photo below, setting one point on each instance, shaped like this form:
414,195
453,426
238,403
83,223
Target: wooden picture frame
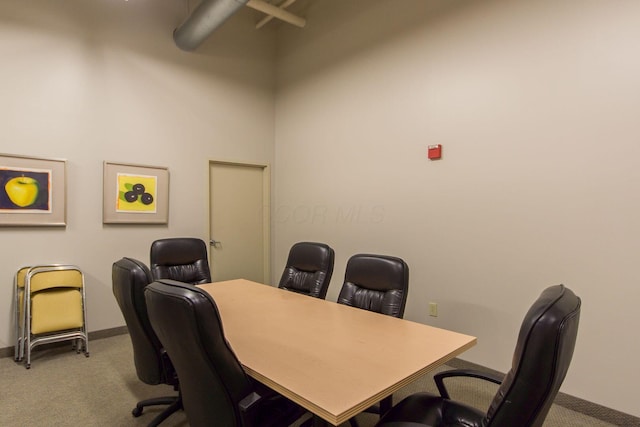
135,194
32,191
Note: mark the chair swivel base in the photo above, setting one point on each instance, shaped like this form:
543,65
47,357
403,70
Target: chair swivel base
174,402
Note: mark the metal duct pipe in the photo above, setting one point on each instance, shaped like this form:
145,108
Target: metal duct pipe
208,16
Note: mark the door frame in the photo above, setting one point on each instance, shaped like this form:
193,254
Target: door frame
266,211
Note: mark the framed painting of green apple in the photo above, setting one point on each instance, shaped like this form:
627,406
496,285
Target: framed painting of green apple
135,194
32,191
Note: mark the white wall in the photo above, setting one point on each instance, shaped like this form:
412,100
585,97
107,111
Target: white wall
90,81
535,104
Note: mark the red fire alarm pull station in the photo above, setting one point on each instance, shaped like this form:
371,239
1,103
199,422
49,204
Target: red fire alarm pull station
434,152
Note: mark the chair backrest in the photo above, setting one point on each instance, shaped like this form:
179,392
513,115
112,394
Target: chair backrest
55,300
21,275
212,381
309,269
377,283
54,276
129,278
542,356
45,277
182,258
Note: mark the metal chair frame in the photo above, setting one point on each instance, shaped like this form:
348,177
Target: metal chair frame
18,304
26,341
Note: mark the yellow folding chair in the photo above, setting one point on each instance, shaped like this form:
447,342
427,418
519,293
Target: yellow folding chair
18,307
53,308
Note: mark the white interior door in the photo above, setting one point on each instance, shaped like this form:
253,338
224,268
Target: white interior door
239,221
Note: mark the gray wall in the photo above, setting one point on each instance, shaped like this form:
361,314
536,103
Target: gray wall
535,104
90,81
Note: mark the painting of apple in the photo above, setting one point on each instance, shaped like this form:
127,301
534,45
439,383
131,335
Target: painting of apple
25,191
22,190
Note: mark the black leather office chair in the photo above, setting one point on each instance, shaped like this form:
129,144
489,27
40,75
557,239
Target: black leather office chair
215,388
309,269
542,356
377,283
153,366
182,258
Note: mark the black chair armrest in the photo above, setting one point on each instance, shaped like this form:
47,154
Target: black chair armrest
264,400
169,372
487,376
247,407
251,402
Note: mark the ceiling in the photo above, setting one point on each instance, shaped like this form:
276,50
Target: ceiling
208,15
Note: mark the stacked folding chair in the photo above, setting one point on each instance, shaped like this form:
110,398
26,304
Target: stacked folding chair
50,307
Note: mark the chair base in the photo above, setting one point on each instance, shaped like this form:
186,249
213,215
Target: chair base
79,342
174,402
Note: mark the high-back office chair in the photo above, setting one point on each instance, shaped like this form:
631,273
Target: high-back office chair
377,283
182,258
309,269
542,356
215,388
50,307
153,366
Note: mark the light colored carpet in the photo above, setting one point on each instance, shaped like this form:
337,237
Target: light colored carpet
63,388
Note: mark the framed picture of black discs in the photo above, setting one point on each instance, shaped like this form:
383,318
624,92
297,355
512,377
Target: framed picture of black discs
135,194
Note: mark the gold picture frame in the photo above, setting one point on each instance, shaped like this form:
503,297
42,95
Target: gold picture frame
135,194
32,191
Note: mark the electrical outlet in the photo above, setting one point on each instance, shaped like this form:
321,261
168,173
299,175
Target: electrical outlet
433,309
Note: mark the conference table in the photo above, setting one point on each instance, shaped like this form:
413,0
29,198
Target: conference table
331,359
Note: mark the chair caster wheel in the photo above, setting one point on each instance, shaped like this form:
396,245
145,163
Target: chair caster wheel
28,366
86,355
136,411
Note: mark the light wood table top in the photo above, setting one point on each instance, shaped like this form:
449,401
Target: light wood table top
332,359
